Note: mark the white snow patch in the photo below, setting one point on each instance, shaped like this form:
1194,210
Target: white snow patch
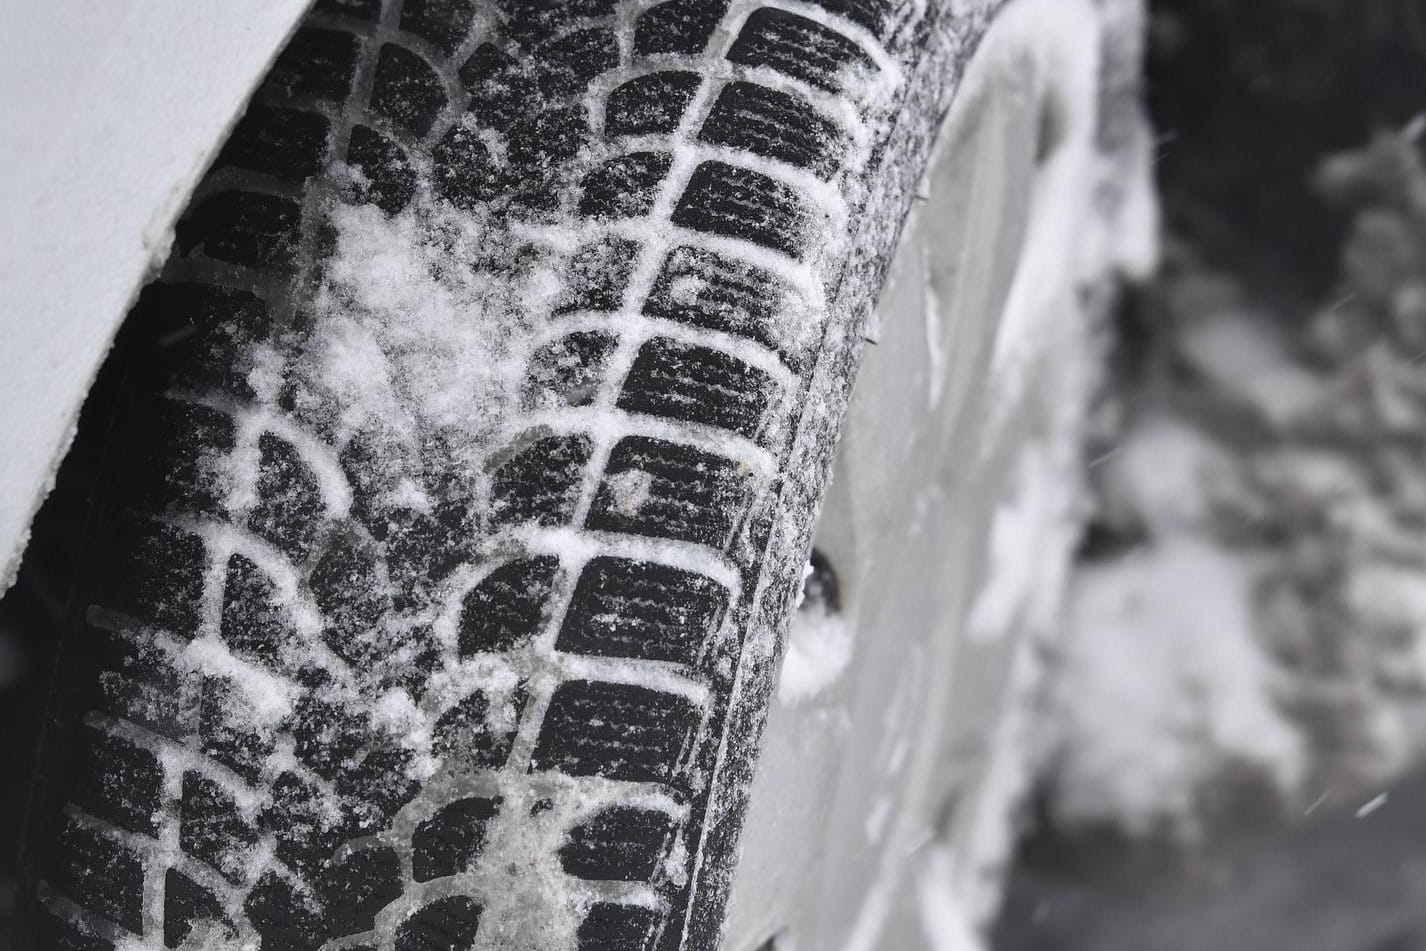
630,490
1163,680
1167,473
425,314
686,288
265,374
945,920
1029,534
1242,354
270,698
1059,46
819,649
397,714
1371,806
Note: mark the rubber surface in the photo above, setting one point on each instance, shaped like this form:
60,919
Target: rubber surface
342,687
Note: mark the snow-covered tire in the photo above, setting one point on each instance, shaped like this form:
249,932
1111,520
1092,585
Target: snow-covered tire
464,472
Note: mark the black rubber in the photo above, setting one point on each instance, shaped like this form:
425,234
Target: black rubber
605,684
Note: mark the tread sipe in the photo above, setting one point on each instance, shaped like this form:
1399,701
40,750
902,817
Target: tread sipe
463,473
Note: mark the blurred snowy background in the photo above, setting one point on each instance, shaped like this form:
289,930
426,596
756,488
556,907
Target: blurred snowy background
1242,695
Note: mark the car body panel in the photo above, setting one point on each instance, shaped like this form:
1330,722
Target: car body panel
111,112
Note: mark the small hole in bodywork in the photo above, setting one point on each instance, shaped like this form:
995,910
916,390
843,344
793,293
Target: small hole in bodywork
821,590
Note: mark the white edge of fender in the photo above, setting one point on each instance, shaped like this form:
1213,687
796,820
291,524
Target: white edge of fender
110,113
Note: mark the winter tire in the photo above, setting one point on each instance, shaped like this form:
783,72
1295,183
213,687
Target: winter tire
461,469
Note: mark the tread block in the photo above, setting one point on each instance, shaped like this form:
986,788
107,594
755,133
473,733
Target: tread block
706,289
327,735
315,64
221,735
423,547
371,463
668,490
377,786
346,584
483,64
93,870
465,733
302,825
625,187
776,125
290,144
599,274
357,886
498,85
389,181
245,228
797,47
137,684
447,924
650,104
187,906
289,511
871,15
508,606
203,332
444,22
160,576
740,203
530,22
617,731
407,90
541,482
253,623
540,142
568,371
625,608
621,844
678,26
285,920
450,841
187,444
572,60
463,170
611,927
698,385
118,781
212,829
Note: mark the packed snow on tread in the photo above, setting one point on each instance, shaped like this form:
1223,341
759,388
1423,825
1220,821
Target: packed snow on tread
422,314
